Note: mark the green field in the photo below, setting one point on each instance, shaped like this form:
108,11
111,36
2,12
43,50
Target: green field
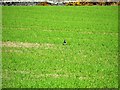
33,54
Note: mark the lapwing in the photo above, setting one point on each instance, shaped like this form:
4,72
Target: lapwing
64,43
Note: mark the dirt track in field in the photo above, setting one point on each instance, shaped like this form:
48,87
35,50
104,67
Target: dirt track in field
26,45
37,76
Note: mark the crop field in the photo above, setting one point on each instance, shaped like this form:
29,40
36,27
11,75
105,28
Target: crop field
33,54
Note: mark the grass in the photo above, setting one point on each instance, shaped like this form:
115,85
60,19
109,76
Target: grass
33,55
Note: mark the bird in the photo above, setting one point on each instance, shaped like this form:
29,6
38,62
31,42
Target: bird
64,43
